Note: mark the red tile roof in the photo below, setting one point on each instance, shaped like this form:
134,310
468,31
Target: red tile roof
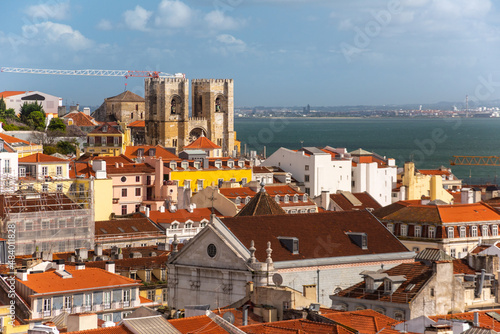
460,266
136,225
50,282
261,204
202,143
325,235
260,170
416,273
412,211
11,140
367,201
198,324
40,157
160,151
485,320
299,326
131,168
110,129
8,93
434,172
80,119
80,168
137,124
364,321
109,160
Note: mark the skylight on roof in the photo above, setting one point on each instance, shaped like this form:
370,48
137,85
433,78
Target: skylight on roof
104,231
134,228
121,230
409,287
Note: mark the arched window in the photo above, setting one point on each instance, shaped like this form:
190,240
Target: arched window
218,105
247,199
237,200
285,199
277,198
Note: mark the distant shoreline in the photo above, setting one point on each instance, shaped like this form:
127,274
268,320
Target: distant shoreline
360,118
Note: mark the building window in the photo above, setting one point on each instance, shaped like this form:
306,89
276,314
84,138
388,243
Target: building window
67,302
199,185
237,201
494,230
306,178
432,232
126,298
164,295
398,315
45,224
243,180
87,301
107,300
148,275
484,231
124,192
22,172
451,232
137,179
187,184
107,317
307,191
306,167
137,191
453,252
59,187
462,232
28,226
46,307
116,141
45,171
404,230
124,209
390,227
151,295
45,188
418,231
277,198
473,231
59,170
388,285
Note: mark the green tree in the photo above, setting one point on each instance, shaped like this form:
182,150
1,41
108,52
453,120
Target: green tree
57,124
49,150
3,106
33,115
65,147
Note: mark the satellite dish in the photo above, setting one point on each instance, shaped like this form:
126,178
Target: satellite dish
277,279
229,317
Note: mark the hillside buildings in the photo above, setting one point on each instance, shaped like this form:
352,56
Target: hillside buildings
15,99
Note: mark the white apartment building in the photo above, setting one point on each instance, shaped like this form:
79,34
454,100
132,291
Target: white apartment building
319,169
374,174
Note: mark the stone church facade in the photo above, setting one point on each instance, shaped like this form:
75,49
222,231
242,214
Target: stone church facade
167,118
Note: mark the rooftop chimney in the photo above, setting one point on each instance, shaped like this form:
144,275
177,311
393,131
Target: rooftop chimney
79,266
22,274
81,321
110,266
59,264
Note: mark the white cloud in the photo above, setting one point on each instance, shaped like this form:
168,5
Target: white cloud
56,11
104,25
137,19
216,20
173,14
56,33
460,8
227,44
346,24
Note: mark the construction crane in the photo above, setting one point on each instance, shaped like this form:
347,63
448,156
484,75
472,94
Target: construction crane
470,160
102,73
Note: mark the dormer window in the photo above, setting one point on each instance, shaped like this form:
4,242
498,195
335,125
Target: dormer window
277,198
304,198
230,163
290,243
295,198
173,165
197,164
185,165
388,286
359,238
247,199
237,200
241,163
218,164
286,198
105,128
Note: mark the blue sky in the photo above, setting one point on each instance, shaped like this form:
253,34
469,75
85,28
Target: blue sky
279,52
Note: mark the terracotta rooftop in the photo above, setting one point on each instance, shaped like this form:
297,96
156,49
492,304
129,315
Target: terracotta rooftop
261,170
80,119
181,216
299,326
417,274
197,324
8,93
126,96
50,282
151,262
408,211
460,266
485,320
364,321
367,201
133,152
202,143
110,129
434,172
13,140
137,124
130,168
325,235
40,157
261,204
79,169
127,226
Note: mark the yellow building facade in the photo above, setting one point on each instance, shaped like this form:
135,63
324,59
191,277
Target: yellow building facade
8,324
108,140
419,185
200,179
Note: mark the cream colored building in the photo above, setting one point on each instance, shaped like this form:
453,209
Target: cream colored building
418,185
